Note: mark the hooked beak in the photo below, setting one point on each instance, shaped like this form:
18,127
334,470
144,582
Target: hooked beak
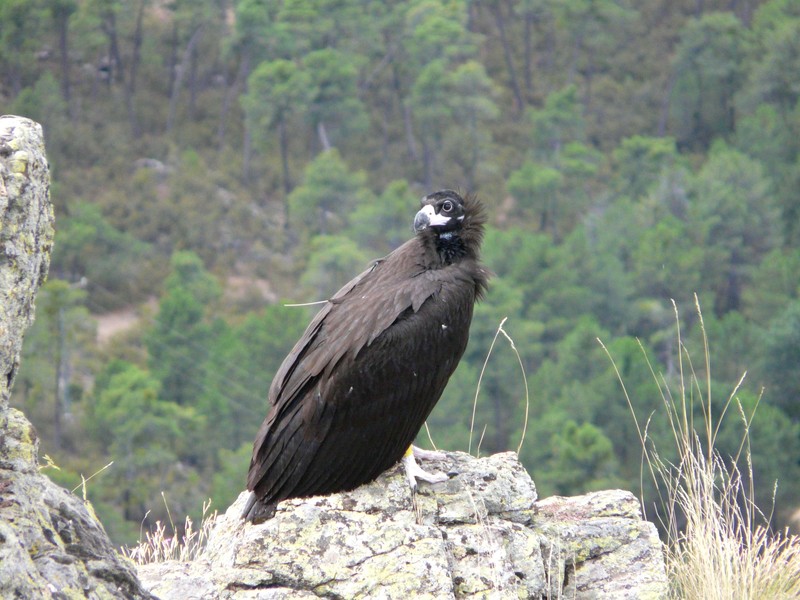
422,219
427,217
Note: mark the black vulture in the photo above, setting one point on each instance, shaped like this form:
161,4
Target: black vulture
354,391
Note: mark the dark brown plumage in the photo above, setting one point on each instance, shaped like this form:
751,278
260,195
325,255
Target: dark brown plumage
354,391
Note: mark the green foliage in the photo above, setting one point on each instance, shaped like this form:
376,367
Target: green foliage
734,220
774,442
334,101
21,24
327,197
276,90
146,436
641,161
782,349
662,266
188,272
437,31
772,138
432,113
129,414
534,187
583,459
115,265
332,261
240,366
228,479
710,68
775,284
383,224
772,78
177,345
470,96
558,122
258,30
43,103
57,353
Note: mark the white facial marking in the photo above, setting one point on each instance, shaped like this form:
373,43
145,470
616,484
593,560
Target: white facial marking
444,326
439,220
435,220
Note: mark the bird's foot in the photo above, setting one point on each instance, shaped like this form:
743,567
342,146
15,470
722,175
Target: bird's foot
422,454
414,471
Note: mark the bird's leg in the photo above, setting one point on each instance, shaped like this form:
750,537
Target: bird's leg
414,471
422,454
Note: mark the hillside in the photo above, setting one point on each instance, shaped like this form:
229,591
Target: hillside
225,157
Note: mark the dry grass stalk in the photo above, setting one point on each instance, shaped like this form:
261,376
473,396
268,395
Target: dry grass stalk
159,545
719,545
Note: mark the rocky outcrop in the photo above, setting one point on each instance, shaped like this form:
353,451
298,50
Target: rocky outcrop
51,544
26,236
481,534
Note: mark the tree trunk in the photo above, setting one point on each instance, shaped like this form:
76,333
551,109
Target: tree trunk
62,26
180,70
386,118
501,26
589,77
58,386
130,86
576,51
194,83
115,66
528,53
247,152
472,159
411,142
550,52
427,163
322,133
663,117
242,73
284,143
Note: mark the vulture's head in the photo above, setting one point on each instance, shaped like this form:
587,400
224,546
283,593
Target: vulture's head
442,211
447,218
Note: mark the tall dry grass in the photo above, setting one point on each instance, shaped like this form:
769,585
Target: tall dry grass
161,544
718,542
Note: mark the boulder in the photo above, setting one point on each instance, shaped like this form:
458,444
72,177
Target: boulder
481,534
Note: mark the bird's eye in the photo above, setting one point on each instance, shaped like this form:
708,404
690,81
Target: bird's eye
447,206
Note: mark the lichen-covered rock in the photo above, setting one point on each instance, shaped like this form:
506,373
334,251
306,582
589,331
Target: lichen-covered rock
51,545
481,534
604,545
26,236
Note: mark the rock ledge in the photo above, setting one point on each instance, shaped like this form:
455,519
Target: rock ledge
481,534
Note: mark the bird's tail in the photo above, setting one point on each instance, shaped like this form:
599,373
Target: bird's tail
256,511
